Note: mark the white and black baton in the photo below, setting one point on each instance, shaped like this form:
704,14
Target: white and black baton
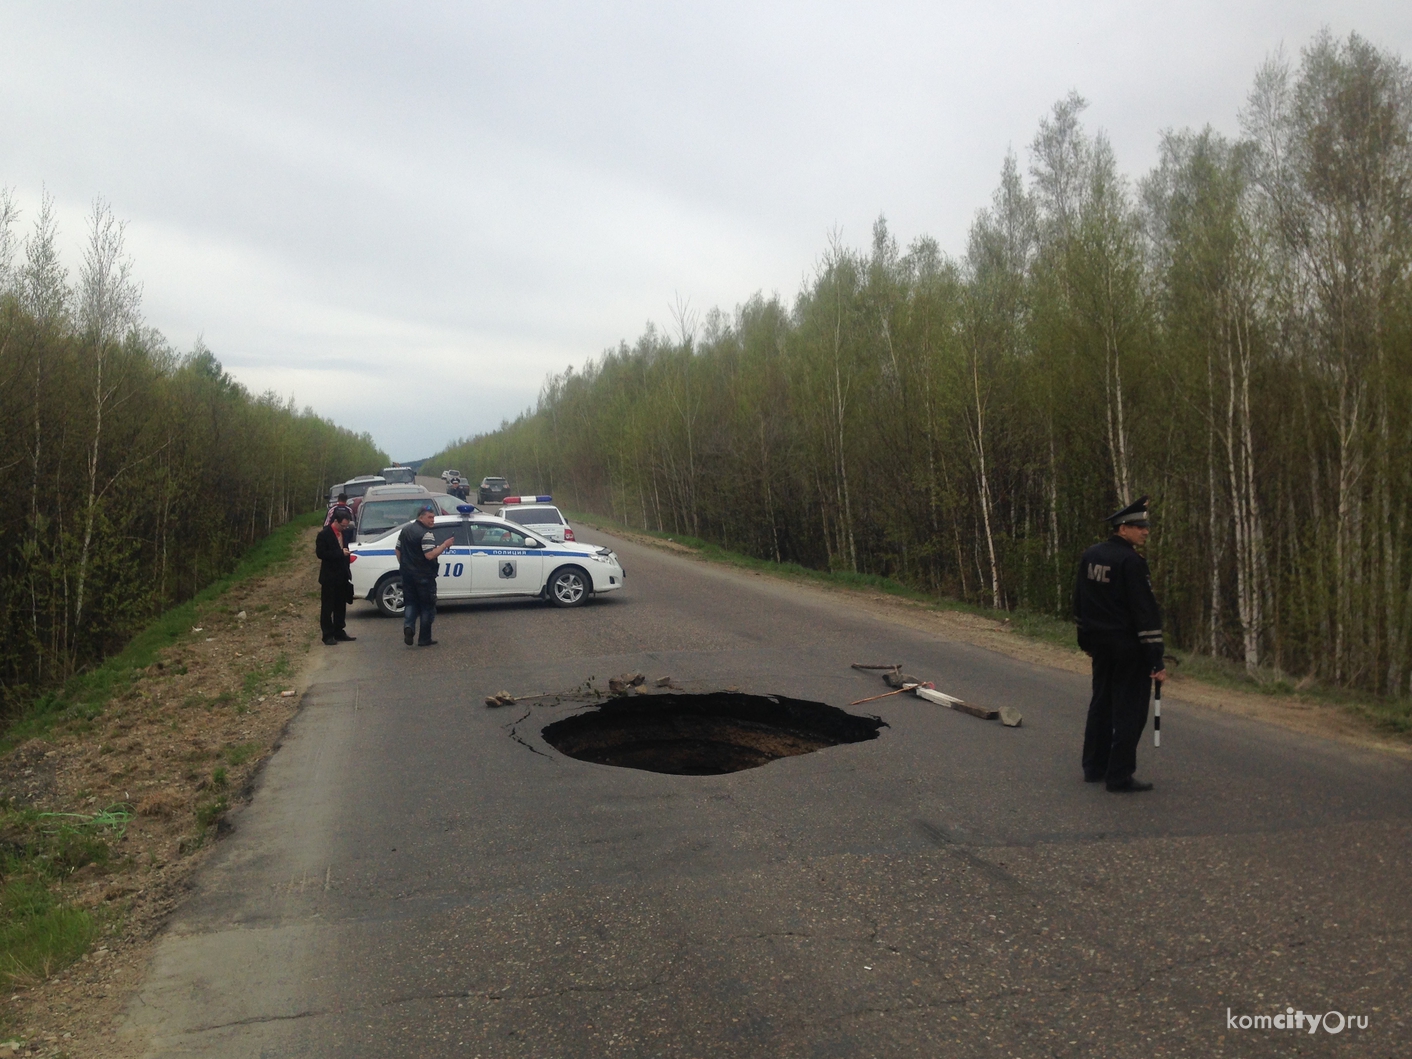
1157,713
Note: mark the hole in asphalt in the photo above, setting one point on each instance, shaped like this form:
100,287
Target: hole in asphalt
705,735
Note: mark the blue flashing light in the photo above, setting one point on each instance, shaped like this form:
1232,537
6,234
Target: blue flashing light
465,509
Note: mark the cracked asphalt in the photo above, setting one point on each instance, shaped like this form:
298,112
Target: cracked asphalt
418,875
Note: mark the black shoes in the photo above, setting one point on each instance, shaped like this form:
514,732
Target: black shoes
407,637
1129,786
427,643
343,637
329,641
1093,779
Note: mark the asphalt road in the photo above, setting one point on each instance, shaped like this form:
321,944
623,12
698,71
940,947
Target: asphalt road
419,875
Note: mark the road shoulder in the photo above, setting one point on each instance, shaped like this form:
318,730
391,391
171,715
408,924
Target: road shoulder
1297,713
179,747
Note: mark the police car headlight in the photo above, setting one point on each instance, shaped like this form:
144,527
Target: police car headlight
603,555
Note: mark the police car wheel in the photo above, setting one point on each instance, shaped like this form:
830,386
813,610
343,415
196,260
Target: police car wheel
568,587
388,596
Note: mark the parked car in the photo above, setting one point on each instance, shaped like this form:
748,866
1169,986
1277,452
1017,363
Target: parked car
446,476
399,475
389,507
492,490
490,557
355,487
544,519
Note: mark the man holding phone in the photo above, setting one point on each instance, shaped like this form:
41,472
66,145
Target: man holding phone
335,576
417,560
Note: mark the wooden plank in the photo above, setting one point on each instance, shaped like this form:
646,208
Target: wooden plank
985,713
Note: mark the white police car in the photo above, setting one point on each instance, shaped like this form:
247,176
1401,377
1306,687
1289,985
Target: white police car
537,513
490,557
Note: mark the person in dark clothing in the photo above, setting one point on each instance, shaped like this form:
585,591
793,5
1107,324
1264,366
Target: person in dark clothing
335,576
1120,628
342,501
417,555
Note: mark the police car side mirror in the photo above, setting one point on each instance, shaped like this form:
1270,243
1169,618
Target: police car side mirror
534,543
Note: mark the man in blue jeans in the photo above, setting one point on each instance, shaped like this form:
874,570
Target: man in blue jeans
417,555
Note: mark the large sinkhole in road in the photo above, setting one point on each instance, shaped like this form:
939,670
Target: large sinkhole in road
705,735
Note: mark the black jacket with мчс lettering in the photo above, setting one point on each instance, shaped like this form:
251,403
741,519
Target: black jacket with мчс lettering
1113,601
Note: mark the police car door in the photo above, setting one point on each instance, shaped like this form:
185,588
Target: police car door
453,579
504,562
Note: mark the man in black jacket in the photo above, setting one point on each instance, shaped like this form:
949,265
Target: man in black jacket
417,555
335,576
1120,627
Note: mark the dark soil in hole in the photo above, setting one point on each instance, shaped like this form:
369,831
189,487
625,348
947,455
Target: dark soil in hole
705,735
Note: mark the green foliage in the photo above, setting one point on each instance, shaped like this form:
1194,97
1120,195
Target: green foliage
1232,335
85,695
209,811
138,476
241,753
38,934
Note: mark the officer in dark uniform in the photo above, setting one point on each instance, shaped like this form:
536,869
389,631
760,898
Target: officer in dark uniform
1120,628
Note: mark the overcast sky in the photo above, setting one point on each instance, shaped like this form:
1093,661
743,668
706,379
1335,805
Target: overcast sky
404,215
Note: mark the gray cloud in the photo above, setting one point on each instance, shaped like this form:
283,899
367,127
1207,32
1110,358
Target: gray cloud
406,215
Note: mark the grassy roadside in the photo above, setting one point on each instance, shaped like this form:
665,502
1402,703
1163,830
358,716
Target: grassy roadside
1042,627
1384,715
84,696
109,785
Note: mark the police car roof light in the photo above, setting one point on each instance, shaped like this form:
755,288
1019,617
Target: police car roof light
465,509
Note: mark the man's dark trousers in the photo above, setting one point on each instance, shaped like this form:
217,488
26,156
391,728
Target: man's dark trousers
333,609
1117,713
418,598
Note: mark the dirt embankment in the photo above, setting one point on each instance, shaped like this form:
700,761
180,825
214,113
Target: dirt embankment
177,748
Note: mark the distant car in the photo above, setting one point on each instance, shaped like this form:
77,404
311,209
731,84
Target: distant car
446,476
399,475
490,557
390,507
492,490
544,519
355,487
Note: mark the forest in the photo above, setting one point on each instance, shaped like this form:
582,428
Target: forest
134,475
1230,334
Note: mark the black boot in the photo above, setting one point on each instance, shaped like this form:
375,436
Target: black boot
1129,786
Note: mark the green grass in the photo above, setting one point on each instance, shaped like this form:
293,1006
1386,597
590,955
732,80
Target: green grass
1390,715
39,934
241,753
208,812
86,695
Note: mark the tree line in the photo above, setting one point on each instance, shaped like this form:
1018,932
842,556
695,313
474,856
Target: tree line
1231,333
134,474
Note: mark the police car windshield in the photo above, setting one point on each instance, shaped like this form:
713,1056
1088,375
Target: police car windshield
379,516
533,516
